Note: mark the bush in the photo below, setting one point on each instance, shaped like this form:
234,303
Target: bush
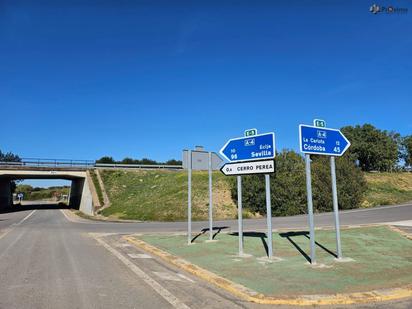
288,186
351,183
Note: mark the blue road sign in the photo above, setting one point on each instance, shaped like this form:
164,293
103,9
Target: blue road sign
322,141
256,147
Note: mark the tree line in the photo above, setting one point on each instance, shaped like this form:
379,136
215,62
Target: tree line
144,161
371,149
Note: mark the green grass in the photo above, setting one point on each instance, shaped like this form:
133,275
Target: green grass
42,193
388,189
382,259
97,187
162,195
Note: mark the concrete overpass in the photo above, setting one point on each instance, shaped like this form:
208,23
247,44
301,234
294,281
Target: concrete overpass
81,184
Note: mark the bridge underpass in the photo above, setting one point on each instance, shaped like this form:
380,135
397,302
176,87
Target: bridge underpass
80,192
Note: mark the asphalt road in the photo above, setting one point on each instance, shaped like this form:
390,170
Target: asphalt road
49,261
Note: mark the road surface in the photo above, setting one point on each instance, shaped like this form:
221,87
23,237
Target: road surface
48,261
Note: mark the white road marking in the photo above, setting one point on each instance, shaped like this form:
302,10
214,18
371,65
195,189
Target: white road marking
186,278
25,218
139,256
124,245
167,276
8,230
5,232
173,300
67,217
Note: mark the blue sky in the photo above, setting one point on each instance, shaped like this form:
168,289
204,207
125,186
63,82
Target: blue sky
83,79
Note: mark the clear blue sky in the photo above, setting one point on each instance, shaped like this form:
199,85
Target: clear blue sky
148,78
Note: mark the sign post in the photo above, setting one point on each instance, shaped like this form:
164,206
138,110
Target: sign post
252,154
199,160
335,207
210,199
322,141
189,198
310,210
269,216
239,214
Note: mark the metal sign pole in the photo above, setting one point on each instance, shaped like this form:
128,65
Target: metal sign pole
210,199
335,206
189,198
269,216
239,214
310,210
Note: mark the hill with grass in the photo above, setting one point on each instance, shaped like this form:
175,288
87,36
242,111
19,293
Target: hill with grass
387,189
161,195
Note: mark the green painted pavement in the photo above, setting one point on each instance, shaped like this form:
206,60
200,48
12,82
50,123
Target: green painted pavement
382,259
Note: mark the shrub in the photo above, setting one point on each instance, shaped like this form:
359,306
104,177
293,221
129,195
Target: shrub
288,186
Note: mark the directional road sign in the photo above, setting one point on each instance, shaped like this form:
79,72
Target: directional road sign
257,147
247,168
322,141
200,160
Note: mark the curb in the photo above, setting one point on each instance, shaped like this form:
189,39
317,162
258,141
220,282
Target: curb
253,296
398,230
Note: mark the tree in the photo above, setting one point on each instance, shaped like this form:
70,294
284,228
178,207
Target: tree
173,162
288,186
106,159
407,147
10,157
128,161
351,184
375,149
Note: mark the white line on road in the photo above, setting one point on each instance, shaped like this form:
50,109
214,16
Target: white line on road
139,256
8,230
124,245
25,218
173,300
186,278
167,276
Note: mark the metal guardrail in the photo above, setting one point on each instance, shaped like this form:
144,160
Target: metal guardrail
137,166
66,163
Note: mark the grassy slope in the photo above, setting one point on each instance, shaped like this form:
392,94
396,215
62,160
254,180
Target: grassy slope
162,195
97,187
388,189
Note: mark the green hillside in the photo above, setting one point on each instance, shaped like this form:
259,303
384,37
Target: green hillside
162,195
388,189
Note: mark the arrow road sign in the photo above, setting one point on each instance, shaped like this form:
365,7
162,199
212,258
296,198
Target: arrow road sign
322,141
257,147
247,168
200,160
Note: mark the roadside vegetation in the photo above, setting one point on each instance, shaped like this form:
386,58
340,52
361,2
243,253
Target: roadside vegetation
162,195
97,187
387,189
36,193
288,186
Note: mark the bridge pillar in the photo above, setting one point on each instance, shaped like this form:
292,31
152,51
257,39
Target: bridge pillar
81,196
76,192
6,198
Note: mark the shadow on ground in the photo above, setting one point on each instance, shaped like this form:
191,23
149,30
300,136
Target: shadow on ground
40,205
289,236
218,229
260,235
